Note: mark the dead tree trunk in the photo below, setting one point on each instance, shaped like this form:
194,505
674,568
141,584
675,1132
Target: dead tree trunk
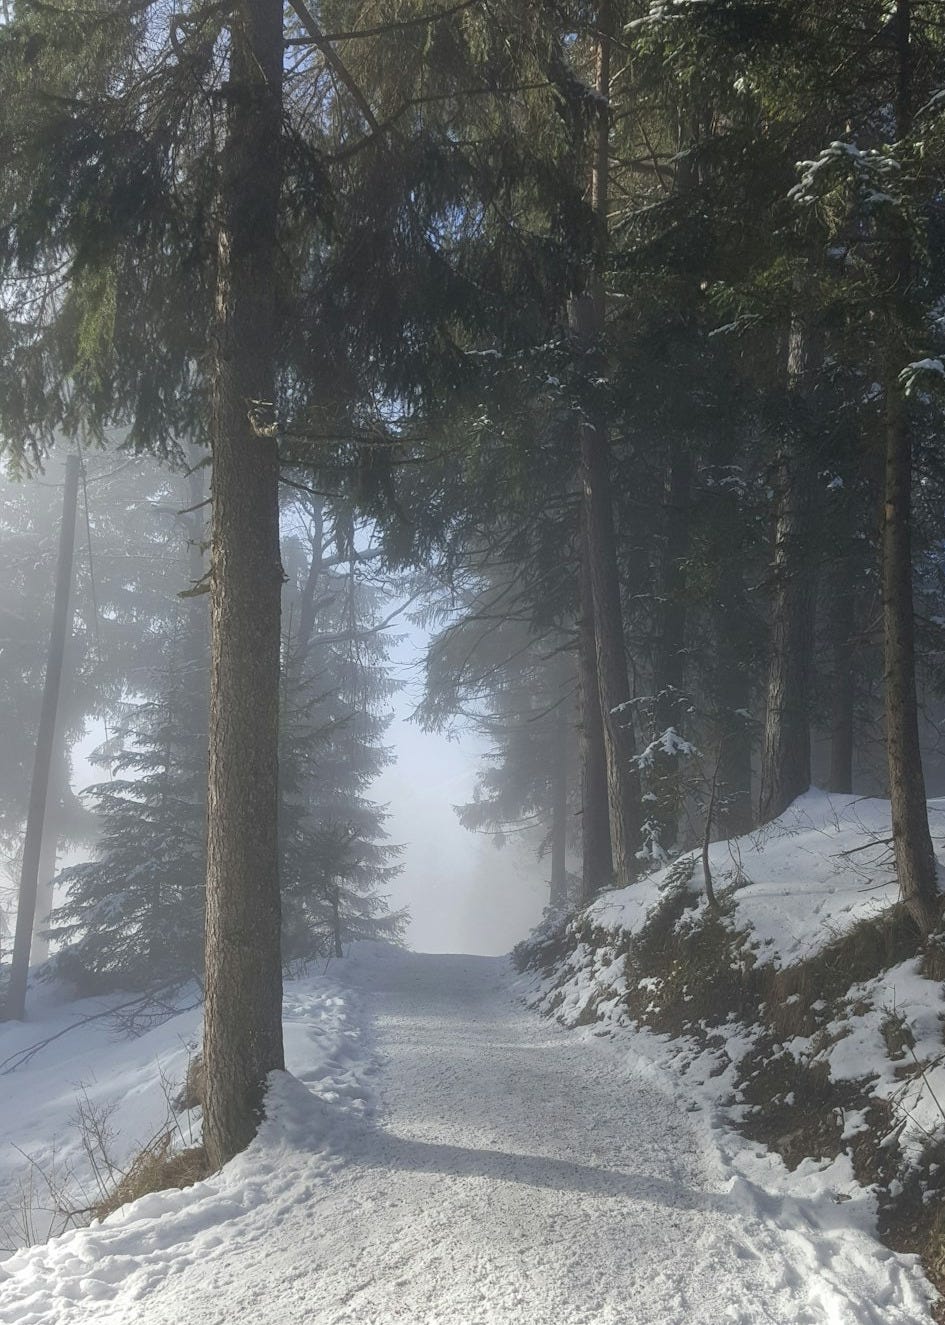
15,1009
243,1016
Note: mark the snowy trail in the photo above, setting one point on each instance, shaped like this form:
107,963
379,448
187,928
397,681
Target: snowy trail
510,1173
522,1175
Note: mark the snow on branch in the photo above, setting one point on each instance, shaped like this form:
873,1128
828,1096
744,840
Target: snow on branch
872,171
668,744
922,373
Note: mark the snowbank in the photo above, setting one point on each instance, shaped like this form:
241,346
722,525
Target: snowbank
104,1271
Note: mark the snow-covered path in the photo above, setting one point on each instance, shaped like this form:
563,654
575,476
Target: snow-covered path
514,1178
511,1173
521,1174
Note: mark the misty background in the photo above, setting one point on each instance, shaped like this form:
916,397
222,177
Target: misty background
462,892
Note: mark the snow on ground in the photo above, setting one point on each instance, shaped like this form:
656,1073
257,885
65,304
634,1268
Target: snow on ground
800,880
464,1162
86,1065
799,883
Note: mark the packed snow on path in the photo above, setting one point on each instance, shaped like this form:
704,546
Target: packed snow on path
442,1155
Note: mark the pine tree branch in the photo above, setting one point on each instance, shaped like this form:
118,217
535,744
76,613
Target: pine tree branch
335,63
382,29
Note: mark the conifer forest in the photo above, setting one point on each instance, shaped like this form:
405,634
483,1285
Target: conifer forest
472,479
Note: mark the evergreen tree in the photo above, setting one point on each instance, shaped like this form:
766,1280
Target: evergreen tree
133,915
335,859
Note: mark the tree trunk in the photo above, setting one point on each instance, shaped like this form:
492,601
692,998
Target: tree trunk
39,948
912,842
671,657
733,810
843,681
598,866
670,663
558,899
243,1016
336,920
785,758
15,1008
587,318
623,777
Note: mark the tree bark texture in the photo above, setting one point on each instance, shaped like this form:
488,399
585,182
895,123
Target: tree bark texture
15,1008
243,1016
785,757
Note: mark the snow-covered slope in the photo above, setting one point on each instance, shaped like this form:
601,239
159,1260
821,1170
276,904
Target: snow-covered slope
460,1161
792,888
801,1013
799,881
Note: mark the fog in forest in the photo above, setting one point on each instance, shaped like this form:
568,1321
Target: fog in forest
464,893
460,891
472,662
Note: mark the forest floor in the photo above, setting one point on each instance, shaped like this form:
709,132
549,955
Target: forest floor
443,1156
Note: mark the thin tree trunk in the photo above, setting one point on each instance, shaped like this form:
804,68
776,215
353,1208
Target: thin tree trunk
785,757
598,865
670,666
843,681
912,842
15,1009
559,809
733,812
39,948
336,920
671,657
623,777
587,318
730,676
243,1016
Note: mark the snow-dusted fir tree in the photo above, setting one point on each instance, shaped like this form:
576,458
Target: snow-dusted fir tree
335,857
